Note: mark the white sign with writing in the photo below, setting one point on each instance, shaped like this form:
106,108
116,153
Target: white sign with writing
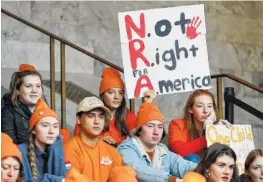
164,50
238,137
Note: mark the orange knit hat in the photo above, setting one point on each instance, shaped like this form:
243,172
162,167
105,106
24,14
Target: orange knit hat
42,110
193,177
24,67
122,173
111,78
146,113
9,149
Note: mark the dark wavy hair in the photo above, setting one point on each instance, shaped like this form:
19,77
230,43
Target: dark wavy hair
210,156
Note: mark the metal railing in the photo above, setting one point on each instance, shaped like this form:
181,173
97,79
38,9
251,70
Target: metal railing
230,99
63,42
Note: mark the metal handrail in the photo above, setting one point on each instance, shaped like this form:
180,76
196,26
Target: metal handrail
218,77
239,80
219,83
63,42
98,58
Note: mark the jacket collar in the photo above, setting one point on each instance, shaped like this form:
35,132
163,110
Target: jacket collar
22,109
159,152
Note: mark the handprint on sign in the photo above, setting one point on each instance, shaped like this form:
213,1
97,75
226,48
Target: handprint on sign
191,29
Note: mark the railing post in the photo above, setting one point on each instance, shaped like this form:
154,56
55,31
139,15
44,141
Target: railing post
63,85
229,105
132,105
52,74
219,87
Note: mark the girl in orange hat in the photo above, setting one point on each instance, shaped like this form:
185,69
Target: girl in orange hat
151,160
122,121
218,164
43,156
24,91
186,136
11,158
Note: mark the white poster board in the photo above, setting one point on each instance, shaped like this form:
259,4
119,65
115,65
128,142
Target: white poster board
164,50
238,137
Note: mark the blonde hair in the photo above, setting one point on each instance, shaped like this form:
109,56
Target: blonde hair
190,124
17,80
32,157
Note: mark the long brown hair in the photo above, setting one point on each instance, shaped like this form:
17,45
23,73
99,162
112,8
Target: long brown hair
251,157
120,117
17,80
190,124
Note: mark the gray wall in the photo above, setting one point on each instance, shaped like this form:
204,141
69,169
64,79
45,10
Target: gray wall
234,41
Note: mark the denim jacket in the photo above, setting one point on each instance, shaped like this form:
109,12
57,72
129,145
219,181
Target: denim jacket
163,165
56,169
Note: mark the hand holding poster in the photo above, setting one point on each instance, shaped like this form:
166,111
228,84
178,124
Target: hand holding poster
164,50
238,137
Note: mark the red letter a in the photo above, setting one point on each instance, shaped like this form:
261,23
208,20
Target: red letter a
139,85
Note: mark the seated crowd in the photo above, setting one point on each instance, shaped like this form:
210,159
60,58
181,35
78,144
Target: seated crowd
111,143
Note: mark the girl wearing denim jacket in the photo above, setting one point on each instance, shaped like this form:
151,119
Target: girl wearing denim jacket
43,157
151,160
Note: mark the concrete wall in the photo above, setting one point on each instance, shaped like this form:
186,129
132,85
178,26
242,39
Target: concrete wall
234,41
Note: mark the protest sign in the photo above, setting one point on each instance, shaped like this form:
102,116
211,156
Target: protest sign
238,137
164,50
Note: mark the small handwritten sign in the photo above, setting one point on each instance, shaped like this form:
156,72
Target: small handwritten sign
238,137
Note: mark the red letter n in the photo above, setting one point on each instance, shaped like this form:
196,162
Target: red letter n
130,25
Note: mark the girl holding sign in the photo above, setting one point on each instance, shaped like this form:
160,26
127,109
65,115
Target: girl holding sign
151,160
253,167
218,164
122,121
186,136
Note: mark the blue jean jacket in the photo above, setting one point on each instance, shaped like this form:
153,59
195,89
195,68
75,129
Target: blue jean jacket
163,165
56,169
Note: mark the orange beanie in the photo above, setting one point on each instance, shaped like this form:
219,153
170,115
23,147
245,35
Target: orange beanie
122,173
193,177
111,78
42,110
24,67
146,113
9,149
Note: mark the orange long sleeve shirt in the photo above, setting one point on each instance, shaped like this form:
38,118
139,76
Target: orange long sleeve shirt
96,162
179,140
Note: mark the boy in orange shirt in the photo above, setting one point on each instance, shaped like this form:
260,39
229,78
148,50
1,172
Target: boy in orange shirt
90,156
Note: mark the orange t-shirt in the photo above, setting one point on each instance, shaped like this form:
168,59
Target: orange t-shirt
96,162
179,140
